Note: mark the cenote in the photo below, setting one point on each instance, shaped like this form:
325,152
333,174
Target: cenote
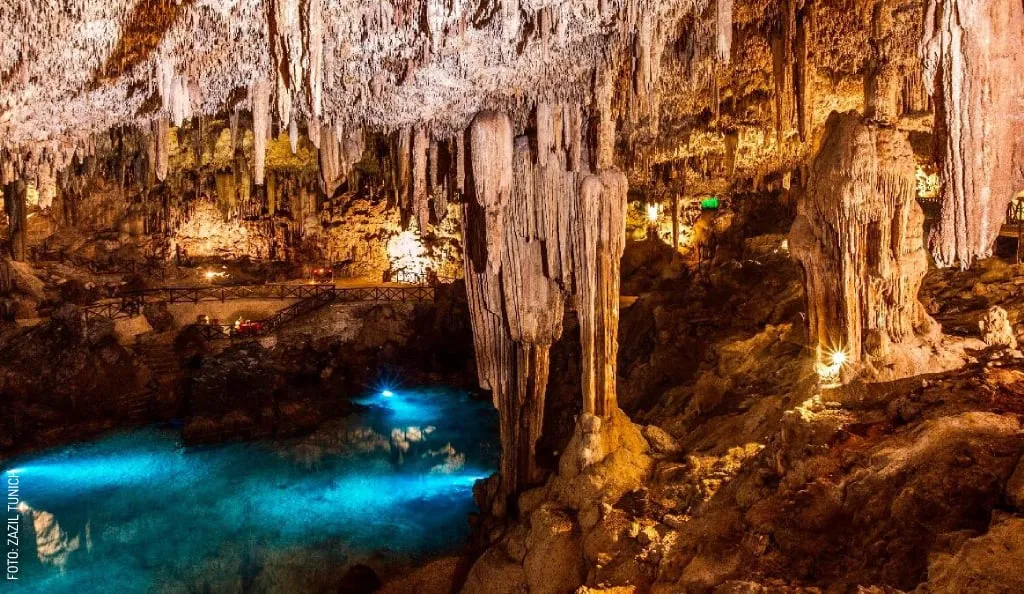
137,512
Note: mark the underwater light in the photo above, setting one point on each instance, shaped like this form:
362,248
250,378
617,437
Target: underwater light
387,393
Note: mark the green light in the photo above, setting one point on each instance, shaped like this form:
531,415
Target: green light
710,203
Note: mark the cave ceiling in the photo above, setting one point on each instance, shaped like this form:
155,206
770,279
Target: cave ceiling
72,69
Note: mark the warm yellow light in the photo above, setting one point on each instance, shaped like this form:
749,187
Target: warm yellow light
652,213
830,365
210,274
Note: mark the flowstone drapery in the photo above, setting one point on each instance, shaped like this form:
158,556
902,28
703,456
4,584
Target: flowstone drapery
973,53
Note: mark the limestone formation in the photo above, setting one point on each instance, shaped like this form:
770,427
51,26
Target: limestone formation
858,237
973,54
996,329
17,215
536,231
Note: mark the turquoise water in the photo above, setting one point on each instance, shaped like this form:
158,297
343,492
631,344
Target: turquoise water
137,512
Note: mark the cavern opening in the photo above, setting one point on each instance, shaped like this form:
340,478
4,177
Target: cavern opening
512,296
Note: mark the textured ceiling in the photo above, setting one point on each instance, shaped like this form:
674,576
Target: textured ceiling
69,68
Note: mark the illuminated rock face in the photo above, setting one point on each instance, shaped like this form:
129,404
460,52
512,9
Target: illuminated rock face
858,237
973,53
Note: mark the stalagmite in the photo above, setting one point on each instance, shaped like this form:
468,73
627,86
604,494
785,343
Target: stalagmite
858,237
973,54
260,100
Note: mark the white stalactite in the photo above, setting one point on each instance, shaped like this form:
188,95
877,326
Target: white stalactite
260,101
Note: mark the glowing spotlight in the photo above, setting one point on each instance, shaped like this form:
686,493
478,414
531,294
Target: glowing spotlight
210,275
387,393
652,213
830,366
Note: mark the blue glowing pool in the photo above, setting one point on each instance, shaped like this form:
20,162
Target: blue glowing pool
136,512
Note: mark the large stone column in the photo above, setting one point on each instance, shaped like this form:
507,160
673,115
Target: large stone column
973,54
536,231
516,309
600,236
858,237
17,214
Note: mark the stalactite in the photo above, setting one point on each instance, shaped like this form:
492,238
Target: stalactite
604,151
260,100
313,131
535,231
401,149
160,135
491,153
516,308
17,215
293,135
802,78
783,45
600,238
420,194
313,33
859,240
330,160
724,26
436,185
882,83
973,63
233,127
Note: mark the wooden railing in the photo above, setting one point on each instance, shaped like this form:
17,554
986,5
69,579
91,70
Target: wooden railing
309,298
129,306
318,297
226,293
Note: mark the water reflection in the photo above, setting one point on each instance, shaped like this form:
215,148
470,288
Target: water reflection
395,481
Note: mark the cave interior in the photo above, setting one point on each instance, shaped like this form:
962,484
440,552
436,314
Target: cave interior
741,280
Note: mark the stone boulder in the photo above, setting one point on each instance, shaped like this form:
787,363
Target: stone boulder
554,552
495,573
989,564
605,459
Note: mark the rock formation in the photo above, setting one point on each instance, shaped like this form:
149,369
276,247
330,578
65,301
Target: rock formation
858,237
536,231
17,213
973,55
